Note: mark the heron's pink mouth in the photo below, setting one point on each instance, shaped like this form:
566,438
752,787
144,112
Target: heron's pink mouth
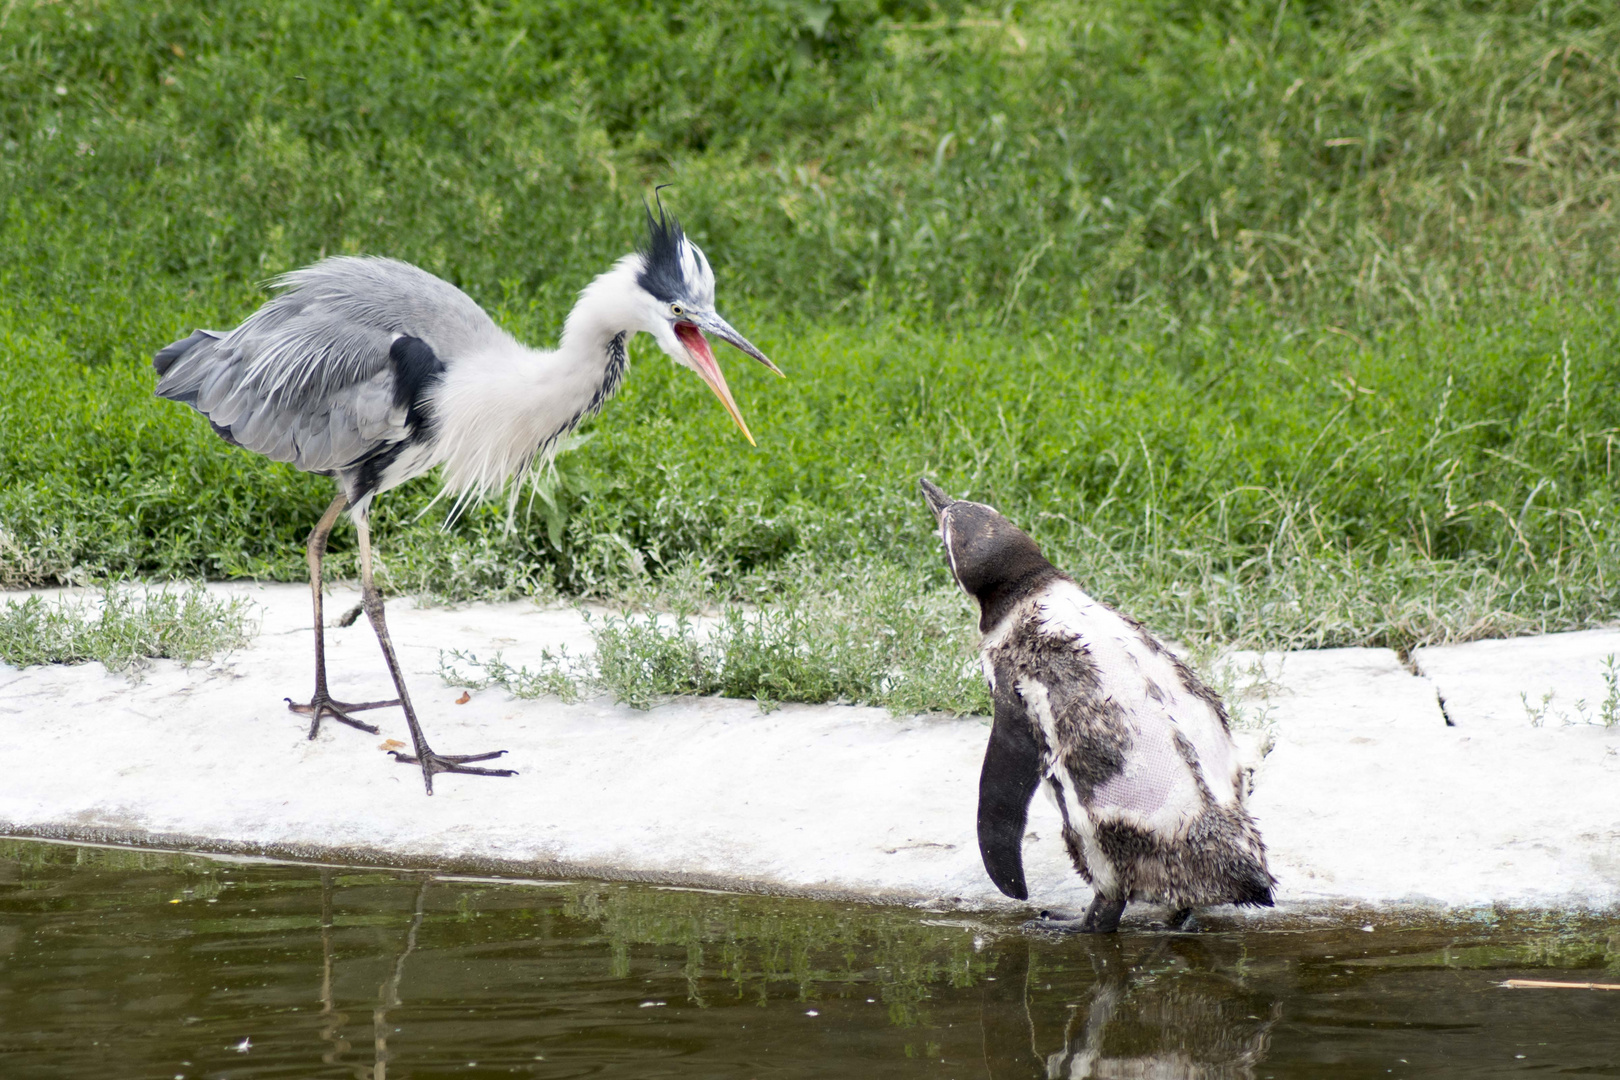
708,369
695,342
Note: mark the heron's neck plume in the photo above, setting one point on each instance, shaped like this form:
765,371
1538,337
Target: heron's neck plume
504,408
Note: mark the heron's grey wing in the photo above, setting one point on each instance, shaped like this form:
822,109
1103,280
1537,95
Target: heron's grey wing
387,295
313,377
319,424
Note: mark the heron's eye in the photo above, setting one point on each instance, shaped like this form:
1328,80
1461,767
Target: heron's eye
677,310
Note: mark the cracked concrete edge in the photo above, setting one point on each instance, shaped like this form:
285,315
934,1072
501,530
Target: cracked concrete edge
1249,676
1573,677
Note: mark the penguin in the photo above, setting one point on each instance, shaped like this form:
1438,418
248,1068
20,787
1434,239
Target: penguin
1135,750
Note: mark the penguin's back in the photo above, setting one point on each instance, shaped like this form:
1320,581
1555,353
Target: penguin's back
1138,753
1160,697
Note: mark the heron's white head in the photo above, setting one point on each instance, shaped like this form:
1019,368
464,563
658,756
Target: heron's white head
679,286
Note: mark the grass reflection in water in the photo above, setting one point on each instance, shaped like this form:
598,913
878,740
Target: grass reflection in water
130,963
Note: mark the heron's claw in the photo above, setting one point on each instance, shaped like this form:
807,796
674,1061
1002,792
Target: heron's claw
432,764
323,706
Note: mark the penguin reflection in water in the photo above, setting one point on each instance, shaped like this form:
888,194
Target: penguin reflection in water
1133,747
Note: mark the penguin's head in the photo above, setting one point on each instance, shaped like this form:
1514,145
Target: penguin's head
990,557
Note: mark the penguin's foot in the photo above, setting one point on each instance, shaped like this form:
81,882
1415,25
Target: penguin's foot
1102,917
1054,922
1182,921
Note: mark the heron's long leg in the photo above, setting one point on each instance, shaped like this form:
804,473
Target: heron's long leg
431,762
322,705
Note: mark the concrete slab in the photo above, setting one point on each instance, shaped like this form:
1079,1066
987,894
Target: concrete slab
814,800
1367,793
1361,790
1549,681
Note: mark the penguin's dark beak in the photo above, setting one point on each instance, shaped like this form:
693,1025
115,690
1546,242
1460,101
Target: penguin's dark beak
937,499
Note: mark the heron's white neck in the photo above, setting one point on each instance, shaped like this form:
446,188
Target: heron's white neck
607,307
506,405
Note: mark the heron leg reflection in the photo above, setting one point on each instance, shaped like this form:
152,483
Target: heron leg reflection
322,705
431,763
388,992
333,1021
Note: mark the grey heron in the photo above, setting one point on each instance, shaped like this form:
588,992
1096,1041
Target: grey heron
373,371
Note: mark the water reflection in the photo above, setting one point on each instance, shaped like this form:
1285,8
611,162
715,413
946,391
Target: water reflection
332,1027
1130,1022
388,993
128,963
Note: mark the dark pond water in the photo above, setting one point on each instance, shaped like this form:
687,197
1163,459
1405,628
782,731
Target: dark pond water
129,964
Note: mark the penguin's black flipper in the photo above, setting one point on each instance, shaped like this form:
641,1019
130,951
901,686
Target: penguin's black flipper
1011,773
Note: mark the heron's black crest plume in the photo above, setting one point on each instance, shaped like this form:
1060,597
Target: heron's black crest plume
663,275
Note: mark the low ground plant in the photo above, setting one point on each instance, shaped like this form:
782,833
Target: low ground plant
873,641
123,627
1607,712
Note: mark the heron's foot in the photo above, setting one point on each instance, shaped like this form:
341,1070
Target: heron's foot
433,764
322,706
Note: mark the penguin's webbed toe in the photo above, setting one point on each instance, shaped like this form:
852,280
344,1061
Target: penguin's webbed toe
1050,924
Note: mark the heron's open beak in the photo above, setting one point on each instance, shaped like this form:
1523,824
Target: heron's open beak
690,334
714,324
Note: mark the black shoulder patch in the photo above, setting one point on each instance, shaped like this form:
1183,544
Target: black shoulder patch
368,472
417,369
661,273
1007,782
1093,738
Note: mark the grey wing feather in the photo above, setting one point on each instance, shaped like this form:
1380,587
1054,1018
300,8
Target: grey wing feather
307,378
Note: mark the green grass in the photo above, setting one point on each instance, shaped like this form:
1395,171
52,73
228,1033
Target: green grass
871,639
123,629
1283,325
1365,159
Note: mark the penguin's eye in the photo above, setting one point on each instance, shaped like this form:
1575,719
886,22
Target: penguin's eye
676,310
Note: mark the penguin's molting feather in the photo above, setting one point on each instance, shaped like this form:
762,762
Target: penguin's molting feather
1134,749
